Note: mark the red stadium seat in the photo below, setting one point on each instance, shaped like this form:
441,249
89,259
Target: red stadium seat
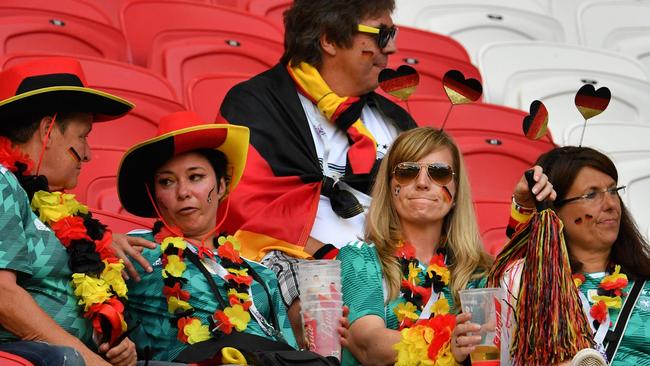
240,4
495,162
270,9
121,223
7,359
143,21
492,221
87,9
467,118
97,183
206,92
182,60
152,95
414,41
112,8
432,68
63,34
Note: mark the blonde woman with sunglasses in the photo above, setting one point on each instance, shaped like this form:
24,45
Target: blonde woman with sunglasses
420,228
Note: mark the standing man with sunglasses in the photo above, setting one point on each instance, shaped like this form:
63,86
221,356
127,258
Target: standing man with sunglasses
318,131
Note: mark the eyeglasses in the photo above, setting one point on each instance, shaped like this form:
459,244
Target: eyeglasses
440,173
384,34
595,197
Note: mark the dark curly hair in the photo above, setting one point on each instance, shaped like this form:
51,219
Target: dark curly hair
562,165
306,20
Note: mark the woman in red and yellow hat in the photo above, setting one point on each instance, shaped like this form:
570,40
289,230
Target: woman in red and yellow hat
200,287
60,280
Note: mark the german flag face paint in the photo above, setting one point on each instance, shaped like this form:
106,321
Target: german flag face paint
75,155
535,124
400,83
447,194
591,102
460,90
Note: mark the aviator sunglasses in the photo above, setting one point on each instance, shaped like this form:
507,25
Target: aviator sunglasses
440,173
384,34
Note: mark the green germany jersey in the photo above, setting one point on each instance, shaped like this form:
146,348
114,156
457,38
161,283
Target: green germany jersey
30,249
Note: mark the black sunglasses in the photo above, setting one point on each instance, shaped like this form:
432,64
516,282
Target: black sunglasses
440,173
384,34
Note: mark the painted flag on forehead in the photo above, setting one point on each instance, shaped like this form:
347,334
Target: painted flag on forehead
275,203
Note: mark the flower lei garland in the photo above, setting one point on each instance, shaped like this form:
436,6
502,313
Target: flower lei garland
97,272
609,294
234,317
424,341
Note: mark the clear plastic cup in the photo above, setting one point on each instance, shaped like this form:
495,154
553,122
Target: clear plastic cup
321,330
319,280
484,304
327,304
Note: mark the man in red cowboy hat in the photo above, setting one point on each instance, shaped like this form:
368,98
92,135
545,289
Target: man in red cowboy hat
317,132
54,256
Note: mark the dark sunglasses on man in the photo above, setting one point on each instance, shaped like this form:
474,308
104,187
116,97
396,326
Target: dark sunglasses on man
383,34
440,173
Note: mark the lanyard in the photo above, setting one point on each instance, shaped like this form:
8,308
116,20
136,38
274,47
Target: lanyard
601,332
213,267
426,310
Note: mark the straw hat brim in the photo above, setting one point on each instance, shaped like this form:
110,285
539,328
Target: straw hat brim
103,105
139,161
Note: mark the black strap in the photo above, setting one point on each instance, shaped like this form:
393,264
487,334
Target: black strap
213,286
613,338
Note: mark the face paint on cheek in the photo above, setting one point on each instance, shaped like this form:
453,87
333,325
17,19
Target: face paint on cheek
74,154
578,221
588,217
448,196
210,195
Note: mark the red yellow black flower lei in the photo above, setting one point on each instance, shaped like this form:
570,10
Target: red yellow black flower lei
97,272
236,316
609,294
424,341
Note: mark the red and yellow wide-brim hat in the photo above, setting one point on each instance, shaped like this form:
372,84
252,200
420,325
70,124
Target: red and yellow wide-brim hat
178,133
54,84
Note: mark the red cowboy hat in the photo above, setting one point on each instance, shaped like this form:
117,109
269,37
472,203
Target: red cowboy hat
177,133
54,84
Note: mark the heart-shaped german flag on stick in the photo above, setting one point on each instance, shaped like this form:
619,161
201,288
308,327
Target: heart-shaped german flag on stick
535,124
461,90
400,83
591,102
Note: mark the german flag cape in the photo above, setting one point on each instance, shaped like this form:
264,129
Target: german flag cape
275,203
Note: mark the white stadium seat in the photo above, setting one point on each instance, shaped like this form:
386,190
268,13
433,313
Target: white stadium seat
565,12
406,11
621,141
621,25
499,63
557,89
636,175
475,23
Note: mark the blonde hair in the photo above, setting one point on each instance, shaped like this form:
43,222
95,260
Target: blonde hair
467,260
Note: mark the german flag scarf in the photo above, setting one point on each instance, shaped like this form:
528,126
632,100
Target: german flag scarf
276,201
344,112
